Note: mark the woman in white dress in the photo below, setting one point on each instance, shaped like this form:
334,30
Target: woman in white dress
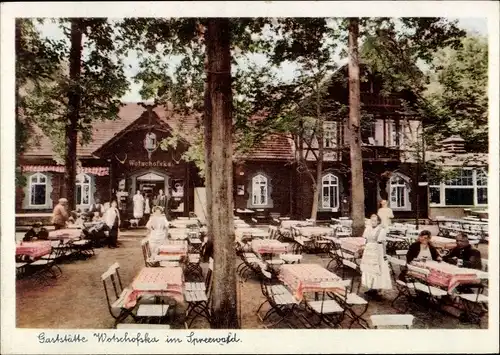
385,214
138,205
158,229
374,266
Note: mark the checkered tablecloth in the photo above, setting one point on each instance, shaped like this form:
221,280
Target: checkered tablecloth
34,249
170,248
65,234
157,281
311,231
303,278
354,245
446,275
269,246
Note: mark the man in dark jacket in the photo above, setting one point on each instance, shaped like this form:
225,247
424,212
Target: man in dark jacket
464,254
37,232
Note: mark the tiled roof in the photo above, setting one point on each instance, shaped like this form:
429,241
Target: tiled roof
272,147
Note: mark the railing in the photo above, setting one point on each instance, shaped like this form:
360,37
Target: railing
375,153
368,99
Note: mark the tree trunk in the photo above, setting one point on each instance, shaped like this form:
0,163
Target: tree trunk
75,57
224,301
319,163
357,187
208,149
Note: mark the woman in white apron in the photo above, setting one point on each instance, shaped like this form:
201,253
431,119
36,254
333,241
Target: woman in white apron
158,229
375,269
385,214
138,205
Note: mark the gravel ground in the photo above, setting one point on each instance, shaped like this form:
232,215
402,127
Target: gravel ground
77,299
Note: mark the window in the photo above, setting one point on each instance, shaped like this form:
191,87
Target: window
460,190
83,189
482,187
330,191
394,133
368,132
38,190
259,190
399,192
435,192
468,188
329,134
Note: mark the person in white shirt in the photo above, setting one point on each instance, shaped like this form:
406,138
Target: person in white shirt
138,205
375,270
158,229
112,220
385,214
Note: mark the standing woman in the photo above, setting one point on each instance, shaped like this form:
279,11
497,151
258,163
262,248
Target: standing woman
385,214
112,219
147,207
158,229
374,266
138,205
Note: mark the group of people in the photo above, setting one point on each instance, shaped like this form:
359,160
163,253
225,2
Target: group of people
374,266
143,205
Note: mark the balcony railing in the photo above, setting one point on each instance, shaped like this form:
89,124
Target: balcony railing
377,153
368,99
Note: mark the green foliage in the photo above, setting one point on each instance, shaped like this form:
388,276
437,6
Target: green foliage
457,96
36,61
102,84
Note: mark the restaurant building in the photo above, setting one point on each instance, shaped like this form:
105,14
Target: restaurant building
125,155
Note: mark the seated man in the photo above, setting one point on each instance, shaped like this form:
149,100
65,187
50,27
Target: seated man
95,208
37,232
96,233
464,254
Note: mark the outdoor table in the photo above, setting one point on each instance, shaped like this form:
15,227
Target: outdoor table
173,249
254,232
304,278
268,246
355,245
156,281
311,231
446,275
65,234
178,233
184,223
238,223
288,224
34,249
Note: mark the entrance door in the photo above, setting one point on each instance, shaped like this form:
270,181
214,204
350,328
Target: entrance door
150,184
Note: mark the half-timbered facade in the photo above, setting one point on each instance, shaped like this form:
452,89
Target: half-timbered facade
125,155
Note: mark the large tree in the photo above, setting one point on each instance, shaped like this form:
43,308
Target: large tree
37,59
87,87
357,182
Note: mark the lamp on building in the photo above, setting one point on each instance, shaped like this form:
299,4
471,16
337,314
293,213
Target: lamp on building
150,143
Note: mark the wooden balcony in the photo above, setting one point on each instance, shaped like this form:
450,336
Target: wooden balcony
376,100
376,153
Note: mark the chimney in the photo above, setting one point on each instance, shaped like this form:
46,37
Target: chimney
453,144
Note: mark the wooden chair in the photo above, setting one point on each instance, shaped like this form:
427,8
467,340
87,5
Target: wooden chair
279,298
197,296
328,310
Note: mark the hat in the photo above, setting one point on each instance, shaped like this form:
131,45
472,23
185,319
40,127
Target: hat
62,200
37,224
